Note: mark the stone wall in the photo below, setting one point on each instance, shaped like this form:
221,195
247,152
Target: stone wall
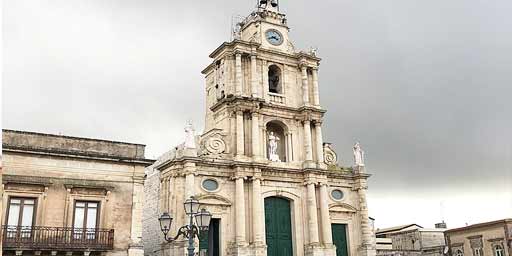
151,234
71,145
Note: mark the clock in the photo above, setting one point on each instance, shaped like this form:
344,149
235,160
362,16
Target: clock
274,37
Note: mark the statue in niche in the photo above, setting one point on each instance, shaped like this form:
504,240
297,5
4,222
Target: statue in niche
273,81
190,140
272,147
358,155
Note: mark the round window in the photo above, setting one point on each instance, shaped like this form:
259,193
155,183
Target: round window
210,185
337,194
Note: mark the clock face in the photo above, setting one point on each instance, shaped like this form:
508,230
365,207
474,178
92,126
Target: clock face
274,37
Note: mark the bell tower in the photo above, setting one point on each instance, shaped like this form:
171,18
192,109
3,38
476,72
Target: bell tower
261,166
263,94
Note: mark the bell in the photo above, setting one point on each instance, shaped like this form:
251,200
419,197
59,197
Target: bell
273,3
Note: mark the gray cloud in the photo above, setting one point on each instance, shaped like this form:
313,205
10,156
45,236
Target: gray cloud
424,85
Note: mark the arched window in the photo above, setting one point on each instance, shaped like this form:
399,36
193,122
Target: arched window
498,250
459,253
274,79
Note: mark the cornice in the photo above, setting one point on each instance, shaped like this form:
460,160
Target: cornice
77,155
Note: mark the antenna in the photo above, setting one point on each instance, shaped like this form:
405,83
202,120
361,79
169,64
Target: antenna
235,27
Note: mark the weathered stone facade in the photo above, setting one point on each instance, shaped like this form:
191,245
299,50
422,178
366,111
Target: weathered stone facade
262,143
483,239
59,174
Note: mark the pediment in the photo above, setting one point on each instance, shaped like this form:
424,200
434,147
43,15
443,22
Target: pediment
211,199
342,207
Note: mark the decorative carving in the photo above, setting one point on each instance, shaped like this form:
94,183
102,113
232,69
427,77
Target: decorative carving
215,145
330,157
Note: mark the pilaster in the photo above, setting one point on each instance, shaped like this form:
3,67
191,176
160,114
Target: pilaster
254,78
238,73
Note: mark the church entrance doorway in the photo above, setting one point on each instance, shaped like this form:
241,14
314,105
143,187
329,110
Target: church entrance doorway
209,242
339,238
278,227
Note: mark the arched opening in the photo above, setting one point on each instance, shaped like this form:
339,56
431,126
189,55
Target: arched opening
278,227
276,143
274,79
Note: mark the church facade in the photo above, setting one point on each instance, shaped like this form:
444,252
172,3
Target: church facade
261,167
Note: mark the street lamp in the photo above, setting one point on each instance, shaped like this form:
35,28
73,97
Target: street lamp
189,231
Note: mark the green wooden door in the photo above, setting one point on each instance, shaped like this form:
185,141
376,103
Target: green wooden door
209,242
278,227
339,238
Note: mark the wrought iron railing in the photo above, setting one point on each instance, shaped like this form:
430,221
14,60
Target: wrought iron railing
41,238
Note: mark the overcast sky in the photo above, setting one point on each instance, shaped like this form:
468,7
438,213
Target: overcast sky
426,86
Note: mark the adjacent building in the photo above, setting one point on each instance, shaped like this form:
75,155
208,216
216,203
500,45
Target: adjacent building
484,239
71,196
411,240
261,167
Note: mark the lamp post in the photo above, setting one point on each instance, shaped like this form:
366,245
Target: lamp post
189,231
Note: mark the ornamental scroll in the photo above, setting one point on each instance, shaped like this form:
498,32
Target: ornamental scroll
330,157
213,144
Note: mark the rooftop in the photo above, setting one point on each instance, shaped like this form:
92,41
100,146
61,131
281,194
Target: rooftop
480,225
33,142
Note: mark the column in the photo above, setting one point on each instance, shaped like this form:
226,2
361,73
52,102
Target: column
239,133
264,79
324,215
257,208
307,141
319,143
255,136
240,211
305,87
316,93
238,73
189,185
254,80
312,215
365,222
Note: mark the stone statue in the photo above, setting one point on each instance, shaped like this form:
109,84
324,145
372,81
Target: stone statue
272,147
358,155
273,82
190,140
313,50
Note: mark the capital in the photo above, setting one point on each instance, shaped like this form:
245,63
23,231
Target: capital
317,122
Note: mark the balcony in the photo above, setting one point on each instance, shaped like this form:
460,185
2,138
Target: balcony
277,98
54,238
